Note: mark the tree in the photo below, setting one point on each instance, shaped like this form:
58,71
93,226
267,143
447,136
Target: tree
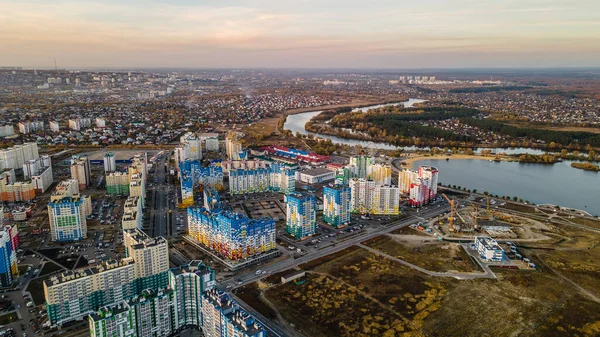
486,193
552,145
475,191
515,198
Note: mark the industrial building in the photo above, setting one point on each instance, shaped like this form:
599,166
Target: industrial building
233,235
315,176
301,215
336,205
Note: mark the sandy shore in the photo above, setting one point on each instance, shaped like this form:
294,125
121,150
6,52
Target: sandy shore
410,161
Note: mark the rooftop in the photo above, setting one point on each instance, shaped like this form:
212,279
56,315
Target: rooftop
317,171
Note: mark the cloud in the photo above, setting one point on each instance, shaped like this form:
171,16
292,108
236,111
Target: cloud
209,33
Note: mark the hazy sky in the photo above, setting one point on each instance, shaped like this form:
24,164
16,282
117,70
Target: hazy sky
300,33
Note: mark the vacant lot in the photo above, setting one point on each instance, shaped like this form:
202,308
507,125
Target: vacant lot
434,256
358,294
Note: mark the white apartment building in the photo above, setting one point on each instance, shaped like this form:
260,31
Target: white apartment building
54,126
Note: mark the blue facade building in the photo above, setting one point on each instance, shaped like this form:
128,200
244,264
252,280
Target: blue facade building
301,215
336,205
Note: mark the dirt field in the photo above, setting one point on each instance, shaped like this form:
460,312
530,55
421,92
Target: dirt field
357,293
431,255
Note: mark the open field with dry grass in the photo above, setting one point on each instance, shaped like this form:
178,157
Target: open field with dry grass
431,255
357,293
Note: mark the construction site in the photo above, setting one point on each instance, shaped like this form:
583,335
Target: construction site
476,216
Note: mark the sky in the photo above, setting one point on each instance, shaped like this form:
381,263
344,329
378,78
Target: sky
300,33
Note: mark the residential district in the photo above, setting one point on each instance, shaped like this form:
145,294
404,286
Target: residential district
131,224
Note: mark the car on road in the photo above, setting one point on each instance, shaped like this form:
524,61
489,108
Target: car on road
258,272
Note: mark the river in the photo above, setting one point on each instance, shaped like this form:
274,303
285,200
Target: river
558,184
296,123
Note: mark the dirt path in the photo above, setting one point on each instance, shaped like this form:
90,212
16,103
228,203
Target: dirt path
584,291
382,305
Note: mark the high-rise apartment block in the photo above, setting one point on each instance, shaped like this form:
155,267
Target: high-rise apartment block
232,235
9,242
80,170
54,126
301,218
189,300
276,178
16,191
110,162
75,294
380,174
193,176
100,122
233,146
336,205
222,317
132,213
66,188
366,197
362,164
79,123
30,126
68,219
189,148
117,183
14,157
6,130
420,185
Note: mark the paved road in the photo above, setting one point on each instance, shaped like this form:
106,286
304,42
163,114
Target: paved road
160,192
273,268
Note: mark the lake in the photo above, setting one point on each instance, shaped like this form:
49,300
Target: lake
558,184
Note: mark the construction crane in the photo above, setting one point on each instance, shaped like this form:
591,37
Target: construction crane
476,207
451,217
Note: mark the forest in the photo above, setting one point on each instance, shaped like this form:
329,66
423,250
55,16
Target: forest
559,137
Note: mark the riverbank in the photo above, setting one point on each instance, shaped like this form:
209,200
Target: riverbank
361,103
410,161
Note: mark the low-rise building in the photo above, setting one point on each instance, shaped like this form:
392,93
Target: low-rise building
488,249
315,176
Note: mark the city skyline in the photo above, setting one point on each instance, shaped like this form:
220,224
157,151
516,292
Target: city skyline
384,34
